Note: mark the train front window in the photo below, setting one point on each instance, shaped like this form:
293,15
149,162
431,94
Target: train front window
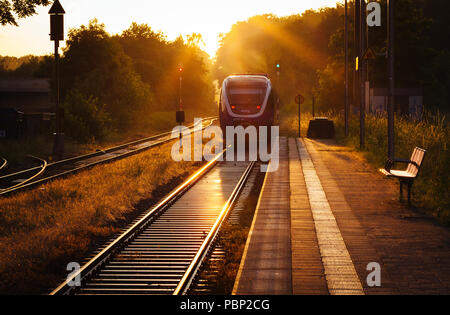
244,96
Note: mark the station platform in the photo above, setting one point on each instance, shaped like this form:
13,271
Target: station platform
325,217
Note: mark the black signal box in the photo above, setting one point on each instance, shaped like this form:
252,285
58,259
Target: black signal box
57,27
180,116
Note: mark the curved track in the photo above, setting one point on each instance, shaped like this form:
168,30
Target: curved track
35,176
40,170
3,163
163,251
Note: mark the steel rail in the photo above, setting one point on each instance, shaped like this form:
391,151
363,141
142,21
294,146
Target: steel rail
27,184
4,164
101,152
102,257
191,272
42,169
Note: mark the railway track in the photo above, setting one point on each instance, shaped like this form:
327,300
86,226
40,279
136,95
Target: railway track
3,163
35,176
163,251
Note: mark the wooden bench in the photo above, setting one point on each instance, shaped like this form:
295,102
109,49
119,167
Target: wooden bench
407,176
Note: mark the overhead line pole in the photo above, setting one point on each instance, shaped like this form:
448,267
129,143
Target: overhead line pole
356,62
391,102
347,109
362,105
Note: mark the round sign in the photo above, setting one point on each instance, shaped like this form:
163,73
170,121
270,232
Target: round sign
299,99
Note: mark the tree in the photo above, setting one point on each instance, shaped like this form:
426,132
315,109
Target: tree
299,43
157,61
20,8
96,66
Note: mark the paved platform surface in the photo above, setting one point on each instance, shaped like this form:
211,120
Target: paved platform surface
412,249
339,214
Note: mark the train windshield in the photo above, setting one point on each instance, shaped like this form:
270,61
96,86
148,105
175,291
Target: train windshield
245,93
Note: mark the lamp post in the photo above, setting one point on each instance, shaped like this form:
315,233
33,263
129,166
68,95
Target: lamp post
56,34
180,116
277,111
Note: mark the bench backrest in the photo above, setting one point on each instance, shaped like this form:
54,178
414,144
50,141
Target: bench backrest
417,157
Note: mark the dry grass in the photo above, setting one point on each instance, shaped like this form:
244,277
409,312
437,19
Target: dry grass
431,188
44,229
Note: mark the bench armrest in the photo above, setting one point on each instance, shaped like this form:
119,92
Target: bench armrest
405,161
390,163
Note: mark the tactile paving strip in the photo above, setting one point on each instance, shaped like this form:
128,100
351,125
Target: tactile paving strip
340,272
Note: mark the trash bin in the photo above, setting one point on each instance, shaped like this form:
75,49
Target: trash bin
321,128
11,123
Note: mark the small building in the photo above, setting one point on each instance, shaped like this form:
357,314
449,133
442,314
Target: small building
26,95
408,102
30,98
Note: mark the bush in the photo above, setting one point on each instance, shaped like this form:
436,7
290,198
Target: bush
84,117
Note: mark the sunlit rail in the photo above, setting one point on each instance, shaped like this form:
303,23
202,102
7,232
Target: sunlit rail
170,233
74,165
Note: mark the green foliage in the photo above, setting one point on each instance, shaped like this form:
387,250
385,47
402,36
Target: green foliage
421,55
431,189
157,61
310,49
20,8
299,43
132,76
85,118
96,66
23,67
331,91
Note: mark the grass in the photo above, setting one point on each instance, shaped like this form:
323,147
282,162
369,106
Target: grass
42,230
431,188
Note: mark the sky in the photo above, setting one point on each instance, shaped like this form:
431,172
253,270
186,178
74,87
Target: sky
172,17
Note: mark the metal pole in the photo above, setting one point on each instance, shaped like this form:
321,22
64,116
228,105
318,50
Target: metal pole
58,144
181,108
391,103
299,121
362,109
356,53
58,112
313,107
346,109
181,100
277,111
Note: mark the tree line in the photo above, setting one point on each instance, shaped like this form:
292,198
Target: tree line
310,51
116,81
